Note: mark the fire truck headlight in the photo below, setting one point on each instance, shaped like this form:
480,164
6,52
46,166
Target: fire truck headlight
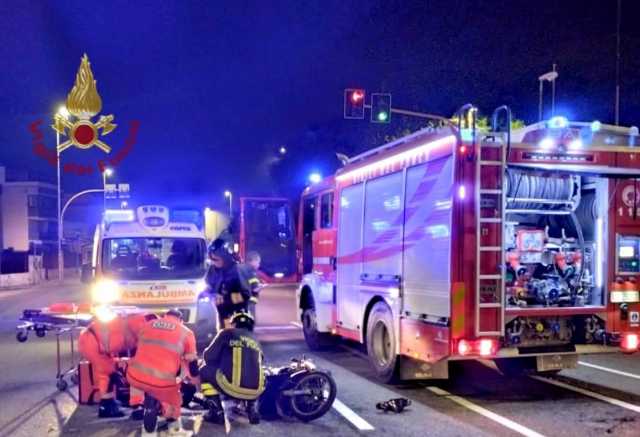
105,292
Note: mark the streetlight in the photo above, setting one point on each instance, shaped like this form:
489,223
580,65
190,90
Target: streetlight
61,113
107,172
315,177
282,150
229,195
549,77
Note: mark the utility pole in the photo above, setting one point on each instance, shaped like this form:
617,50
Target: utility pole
617,108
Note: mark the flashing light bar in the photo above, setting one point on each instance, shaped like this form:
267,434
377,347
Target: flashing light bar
119,215
558,122
410,156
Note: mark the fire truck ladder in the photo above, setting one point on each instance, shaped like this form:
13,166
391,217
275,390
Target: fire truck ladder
490,209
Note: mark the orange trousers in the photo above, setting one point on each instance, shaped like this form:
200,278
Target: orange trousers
169,397
102,366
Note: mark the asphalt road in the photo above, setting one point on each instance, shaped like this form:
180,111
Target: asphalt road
600,397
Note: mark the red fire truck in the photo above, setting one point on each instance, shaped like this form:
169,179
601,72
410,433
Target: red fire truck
267,227
452,243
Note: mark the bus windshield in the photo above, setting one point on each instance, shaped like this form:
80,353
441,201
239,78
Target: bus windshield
269,231
154,258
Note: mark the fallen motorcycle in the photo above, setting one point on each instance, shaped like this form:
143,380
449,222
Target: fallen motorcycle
298,390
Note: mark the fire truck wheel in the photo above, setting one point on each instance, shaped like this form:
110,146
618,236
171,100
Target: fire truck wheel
315,340
381,343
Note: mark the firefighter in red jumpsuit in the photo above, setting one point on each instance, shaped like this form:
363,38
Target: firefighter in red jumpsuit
107,337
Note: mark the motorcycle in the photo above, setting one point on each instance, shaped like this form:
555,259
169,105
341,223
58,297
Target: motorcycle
298,390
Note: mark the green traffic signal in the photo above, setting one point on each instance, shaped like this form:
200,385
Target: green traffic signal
380,107
382,116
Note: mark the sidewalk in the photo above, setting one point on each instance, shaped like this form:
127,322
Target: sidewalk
69,279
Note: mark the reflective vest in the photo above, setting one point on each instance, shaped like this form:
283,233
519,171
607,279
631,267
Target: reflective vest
162,345
118,335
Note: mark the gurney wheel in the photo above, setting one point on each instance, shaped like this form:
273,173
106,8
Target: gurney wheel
74,378
22,336
41,332
62,384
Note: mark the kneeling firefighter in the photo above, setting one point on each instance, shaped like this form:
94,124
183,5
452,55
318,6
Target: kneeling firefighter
163,346
233,368
106,338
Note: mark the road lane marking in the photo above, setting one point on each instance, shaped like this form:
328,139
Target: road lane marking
612,401
508,423
607,369
351,416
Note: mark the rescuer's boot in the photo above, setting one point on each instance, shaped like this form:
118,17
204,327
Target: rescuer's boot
109,408
215,413
252,413
150,415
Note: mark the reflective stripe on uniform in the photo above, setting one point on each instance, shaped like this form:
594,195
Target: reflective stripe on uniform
173,347
253,281
208,389
239,392
164,376
253,299
236,375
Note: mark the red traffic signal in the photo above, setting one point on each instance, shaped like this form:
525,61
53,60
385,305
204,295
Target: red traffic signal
354,103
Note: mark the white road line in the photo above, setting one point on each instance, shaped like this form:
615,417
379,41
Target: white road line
612,401
508,423
607,369
352,417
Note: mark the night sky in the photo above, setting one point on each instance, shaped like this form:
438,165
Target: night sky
218,86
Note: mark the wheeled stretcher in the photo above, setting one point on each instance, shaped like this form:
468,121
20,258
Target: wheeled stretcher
65,321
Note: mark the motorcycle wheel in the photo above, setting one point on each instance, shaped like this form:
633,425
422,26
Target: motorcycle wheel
311,396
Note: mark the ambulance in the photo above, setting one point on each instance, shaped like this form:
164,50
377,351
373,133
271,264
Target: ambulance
154,258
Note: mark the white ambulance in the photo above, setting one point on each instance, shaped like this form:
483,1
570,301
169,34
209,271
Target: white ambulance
153,258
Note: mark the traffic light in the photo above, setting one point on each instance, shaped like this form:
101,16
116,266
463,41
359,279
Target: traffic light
380,108
354,103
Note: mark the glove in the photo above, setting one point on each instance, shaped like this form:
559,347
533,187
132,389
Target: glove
236,298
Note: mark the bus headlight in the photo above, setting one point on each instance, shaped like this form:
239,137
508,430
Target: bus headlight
105,292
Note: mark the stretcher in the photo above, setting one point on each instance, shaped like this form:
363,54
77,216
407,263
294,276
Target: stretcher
64,320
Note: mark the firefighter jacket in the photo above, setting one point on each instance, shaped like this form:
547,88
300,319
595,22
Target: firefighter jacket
118,335
163,345
249,277
236,356
225,281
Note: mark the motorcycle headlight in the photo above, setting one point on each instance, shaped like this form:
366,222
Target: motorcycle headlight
105,292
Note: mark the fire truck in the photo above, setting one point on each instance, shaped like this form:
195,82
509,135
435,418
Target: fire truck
453,243
153,257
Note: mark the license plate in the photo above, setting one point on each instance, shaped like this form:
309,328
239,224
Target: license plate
556,362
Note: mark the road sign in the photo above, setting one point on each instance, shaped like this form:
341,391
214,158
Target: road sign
117,191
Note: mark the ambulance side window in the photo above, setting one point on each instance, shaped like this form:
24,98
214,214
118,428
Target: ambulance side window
326,211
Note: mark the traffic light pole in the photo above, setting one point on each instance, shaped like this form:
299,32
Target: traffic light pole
416,114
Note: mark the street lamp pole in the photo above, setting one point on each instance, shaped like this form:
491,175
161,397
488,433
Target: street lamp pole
549,77
60,256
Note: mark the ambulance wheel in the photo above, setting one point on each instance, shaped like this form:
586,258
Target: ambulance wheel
62,384
22,336
381,343
315,340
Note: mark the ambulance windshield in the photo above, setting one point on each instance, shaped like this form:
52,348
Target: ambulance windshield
154,258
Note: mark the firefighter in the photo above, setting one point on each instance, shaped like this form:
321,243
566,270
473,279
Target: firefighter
109,336
233,368
163,345
224,283
249,275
